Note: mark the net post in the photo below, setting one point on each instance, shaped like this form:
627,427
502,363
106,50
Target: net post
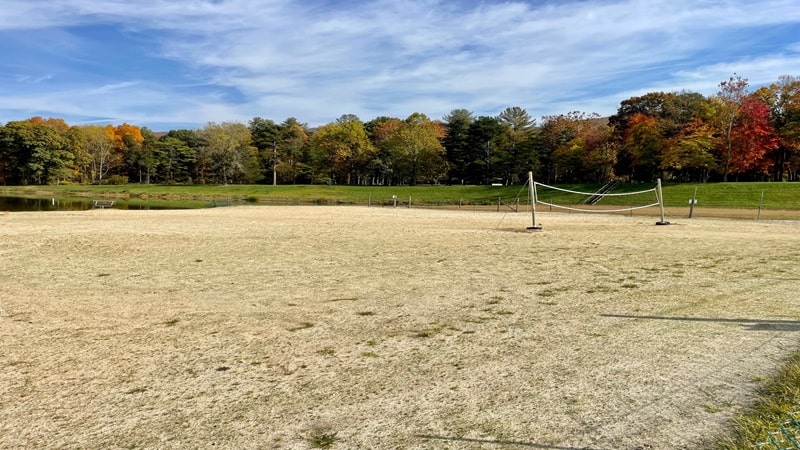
660,197
533,203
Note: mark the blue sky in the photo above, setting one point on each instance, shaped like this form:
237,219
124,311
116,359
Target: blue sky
169,64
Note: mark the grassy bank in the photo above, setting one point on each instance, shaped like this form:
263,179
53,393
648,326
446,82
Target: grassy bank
712,195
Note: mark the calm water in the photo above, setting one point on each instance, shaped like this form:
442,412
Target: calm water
55,204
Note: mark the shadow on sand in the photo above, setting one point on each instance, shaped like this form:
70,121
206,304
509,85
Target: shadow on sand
500,442
750,324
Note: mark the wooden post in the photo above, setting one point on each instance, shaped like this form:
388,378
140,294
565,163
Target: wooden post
369,201
692,202
532,190
274,163
660,197
409,201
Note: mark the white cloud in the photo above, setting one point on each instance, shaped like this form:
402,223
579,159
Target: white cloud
317,61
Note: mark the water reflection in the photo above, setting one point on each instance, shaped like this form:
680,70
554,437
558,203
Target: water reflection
56,204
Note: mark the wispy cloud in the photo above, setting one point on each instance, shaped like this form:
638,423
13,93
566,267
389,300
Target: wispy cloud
202,61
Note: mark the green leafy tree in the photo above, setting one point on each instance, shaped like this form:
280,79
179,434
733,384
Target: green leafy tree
227,153
265,136
175,159
292,146
186,164
81,159
380,131
415,151
341,152
487,146
456,143
33,152
521,151
99,142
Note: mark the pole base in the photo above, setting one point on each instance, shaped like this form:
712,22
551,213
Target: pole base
662,223
534,228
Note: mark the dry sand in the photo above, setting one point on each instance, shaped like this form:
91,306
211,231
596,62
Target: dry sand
382,328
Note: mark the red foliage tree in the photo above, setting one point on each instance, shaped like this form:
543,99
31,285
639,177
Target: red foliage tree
752,137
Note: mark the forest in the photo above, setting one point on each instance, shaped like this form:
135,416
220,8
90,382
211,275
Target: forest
735,135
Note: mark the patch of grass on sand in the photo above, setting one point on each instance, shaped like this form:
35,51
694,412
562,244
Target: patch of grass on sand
777,397
302,326
322,438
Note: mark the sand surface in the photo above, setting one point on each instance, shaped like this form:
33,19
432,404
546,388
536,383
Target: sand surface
383,328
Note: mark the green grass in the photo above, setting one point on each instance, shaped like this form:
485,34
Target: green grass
721,195
777,397
735,195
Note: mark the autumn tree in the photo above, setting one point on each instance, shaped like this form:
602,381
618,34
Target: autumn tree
555,132
55,123
380,130
642,146
137,147
783,99
672,111
728,104
752,137
690,154
575,147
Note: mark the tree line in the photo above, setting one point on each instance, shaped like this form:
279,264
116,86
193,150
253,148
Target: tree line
735,135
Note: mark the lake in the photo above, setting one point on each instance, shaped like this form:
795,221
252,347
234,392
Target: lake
55,204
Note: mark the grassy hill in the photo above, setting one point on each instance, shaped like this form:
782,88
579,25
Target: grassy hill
709,195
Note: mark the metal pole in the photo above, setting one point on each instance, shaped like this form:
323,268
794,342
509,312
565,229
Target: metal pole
692,202
760,204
